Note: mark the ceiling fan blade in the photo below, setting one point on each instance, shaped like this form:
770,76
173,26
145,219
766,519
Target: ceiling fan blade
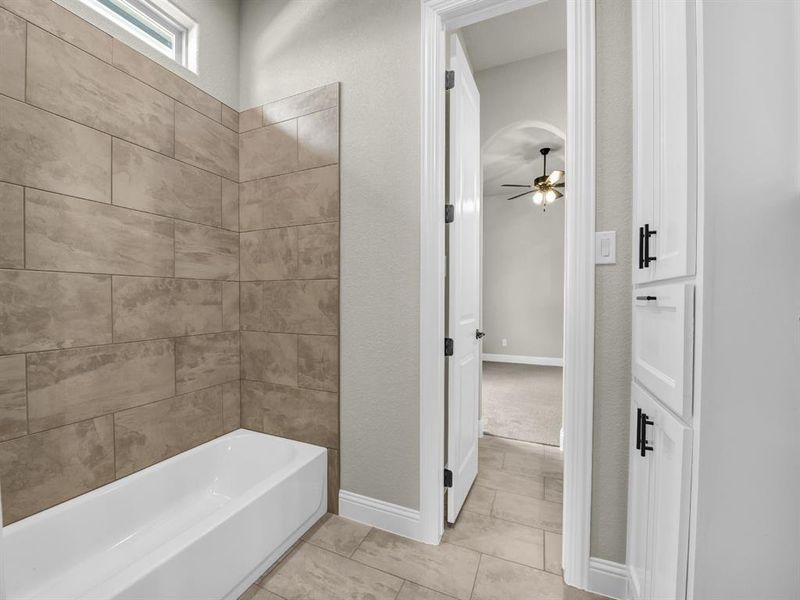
558,194
514,185
555,177
520,195
558,185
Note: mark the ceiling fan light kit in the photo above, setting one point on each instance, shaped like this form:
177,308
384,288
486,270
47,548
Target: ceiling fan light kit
543,188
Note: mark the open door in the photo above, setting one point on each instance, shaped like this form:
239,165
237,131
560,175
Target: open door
464,282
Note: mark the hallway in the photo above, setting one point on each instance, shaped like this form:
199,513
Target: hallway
506,544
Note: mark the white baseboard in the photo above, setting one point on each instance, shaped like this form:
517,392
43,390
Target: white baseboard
608,578
383,515
545,361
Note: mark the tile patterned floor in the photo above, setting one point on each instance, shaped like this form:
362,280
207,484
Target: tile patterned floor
506,544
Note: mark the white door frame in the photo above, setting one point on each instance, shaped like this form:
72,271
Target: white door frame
438,17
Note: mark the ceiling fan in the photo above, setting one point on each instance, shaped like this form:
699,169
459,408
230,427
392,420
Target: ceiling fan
544,187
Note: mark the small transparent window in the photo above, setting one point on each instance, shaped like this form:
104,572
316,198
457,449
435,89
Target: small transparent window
159,23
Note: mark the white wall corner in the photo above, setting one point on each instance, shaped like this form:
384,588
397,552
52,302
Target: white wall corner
608,578
383,515
545,361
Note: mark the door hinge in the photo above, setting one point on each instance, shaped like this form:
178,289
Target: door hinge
449,80
449,213
448,478
448,346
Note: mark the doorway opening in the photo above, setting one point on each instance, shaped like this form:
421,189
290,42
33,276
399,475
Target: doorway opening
458,154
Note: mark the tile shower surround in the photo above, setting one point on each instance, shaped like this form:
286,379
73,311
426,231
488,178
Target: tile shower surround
121,257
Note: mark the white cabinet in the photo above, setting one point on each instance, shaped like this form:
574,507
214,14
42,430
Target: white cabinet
658,500
663,343
665,139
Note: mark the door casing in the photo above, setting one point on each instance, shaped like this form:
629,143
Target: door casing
439,17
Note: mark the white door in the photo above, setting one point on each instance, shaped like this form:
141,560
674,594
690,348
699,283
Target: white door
665,155
464,282
638,502
669,507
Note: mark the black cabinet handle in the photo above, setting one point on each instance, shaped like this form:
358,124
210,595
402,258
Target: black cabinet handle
641,247
638,428
647,298
647,234
643,423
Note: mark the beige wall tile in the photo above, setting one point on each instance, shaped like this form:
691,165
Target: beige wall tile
268,151
154,432
251,414
58,20
230,118
148,181
205,252
318,362
41,470
304,415
44,311
67,386
251,305
152,73
147,307
72,83
270,357
12,55
250,119
295,199
230,306
301,104
205,360
301,306
269,254
318,251
230,205
13,405
318,139
333,481
70,234
231,406
12,227
48,152
205,143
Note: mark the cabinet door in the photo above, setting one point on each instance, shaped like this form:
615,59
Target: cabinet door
665,161
644,128
669,505
639,485
663,343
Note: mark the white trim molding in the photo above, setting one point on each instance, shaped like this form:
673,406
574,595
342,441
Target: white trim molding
579,291
519,359
608,578
438,17
377,513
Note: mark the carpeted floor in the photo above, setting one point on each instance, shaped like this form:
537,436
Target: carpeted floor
522,402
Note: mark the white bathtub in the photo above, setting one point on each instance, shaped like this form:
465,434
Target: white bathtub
201,525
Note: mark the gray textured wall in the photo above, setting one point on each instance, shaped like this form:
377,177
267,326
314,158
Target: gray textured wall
290,46
613,282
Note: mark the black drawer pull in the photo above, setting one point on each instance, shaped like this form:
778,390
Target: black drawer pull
647,298
642,428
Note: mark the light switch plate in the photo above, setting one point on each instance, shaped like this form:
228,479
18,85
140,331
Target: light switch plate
605,248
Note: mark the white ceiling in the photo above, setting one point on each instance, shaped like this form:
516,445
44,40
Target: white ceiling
521,34
513,157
